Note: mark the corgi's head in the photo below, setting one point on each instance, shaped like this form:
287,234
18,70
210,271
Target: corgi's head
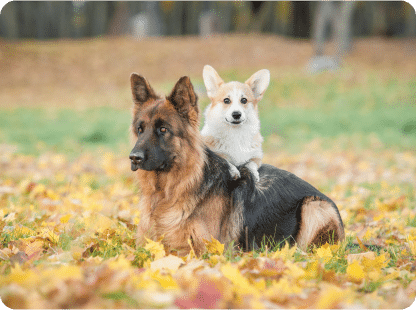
235,102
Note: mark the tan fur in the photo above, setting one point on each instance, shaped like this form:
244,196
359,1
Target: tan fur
319,224
226,88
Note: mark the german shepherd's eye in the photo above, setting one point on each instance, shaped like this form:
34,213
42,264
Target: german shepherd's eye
227,100
140,129
243,100
162,130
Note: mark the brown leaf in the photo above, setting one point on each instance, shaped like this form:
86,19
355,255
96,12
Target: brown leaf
360,256
20,258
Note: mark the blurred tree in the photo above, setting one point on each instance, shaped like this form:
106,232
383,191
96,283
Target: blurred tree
99,12
337,18
283,17
52,19
301,19
262,17
243,16
209,22
120,22
63,13
410,16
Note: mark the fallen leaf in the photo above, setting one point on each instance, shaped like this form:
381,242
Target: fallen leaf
355,272
359,257
170,262
155,248
214,246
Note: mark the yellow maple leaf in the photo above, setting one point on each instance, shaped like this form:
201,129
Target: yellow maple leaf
49,235
38,189
312,270
294,271
67,272
355,272
285,252
121,263
170,262
376,263
242,285
155,248
25,278
412,245
51,194
329,298
215,259
33,247
324,252
214,246
64,219
165,281
23,230
281,290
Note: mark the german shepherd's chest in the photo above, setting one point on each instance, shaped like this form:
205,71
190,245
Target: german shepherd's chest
186,220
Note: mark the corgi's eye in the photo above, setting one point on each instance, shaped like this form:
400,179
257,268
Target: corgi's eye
244,100
227,100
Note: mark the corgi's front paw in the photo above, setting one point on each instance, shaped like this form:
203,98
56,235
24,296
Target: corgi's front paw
235,174
255,174
253,168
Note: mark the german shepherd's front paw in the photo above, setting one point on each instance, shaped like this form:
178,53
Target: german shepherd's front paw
235,174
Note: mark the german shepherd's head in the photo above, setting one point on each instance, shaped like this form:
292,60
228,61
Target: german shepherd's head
164,127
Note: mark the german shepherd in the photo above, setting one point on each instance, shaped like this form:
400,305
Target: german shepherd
188,194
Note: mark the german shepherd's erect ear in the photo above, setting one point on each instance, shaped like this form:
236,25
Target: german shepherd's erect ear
184,99
141,89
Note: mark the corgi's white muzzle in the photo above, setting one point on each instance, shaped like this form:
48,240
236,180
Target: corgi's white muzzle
235,117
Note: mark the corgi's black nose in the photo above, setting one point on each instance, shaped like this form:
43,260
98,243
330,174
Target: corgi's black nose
236,115
137,157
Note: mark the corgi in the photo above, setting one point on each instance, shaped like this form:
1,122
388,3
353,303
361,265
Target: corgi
232,125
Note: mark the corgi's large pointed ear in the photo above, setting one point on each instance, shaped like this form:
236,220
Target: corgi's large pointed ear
141,89
212,80
259,82
184,99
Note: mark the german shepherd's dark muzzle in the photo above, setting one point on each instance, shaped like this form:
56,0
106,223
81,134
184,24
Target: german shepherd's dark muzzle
148,154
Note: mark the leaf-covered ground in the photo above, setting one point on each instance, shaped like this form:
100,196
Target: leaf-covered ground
67,239
68,197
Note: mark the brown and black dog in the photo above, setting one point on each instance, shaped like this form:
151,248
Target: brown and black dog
187,192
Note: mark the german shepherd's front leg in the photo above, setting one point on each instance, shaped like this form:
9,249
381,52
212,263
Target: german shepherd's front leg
144,229
198,232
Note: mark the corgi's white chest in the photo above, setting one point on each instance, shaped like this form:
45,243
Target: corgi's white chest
239,143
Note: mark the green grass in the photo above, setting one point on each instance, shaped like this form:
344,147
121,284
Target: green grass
64,130
297,109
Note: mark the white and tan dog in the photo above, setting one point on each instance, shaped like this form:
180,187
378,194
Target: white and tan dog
232,125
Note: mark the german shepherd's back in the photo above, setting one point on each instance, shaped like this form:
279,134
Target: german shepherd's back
187,193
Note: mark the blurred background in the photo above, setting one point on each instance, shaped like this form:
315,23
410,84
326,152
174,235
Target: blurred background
343,74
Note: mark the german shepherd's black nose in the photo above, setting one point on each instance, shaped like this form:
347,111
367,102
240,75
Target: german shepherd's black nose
137,157
236,115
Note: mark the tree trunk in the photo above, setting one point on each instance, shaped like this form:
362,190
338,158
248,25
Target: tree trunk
8,19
